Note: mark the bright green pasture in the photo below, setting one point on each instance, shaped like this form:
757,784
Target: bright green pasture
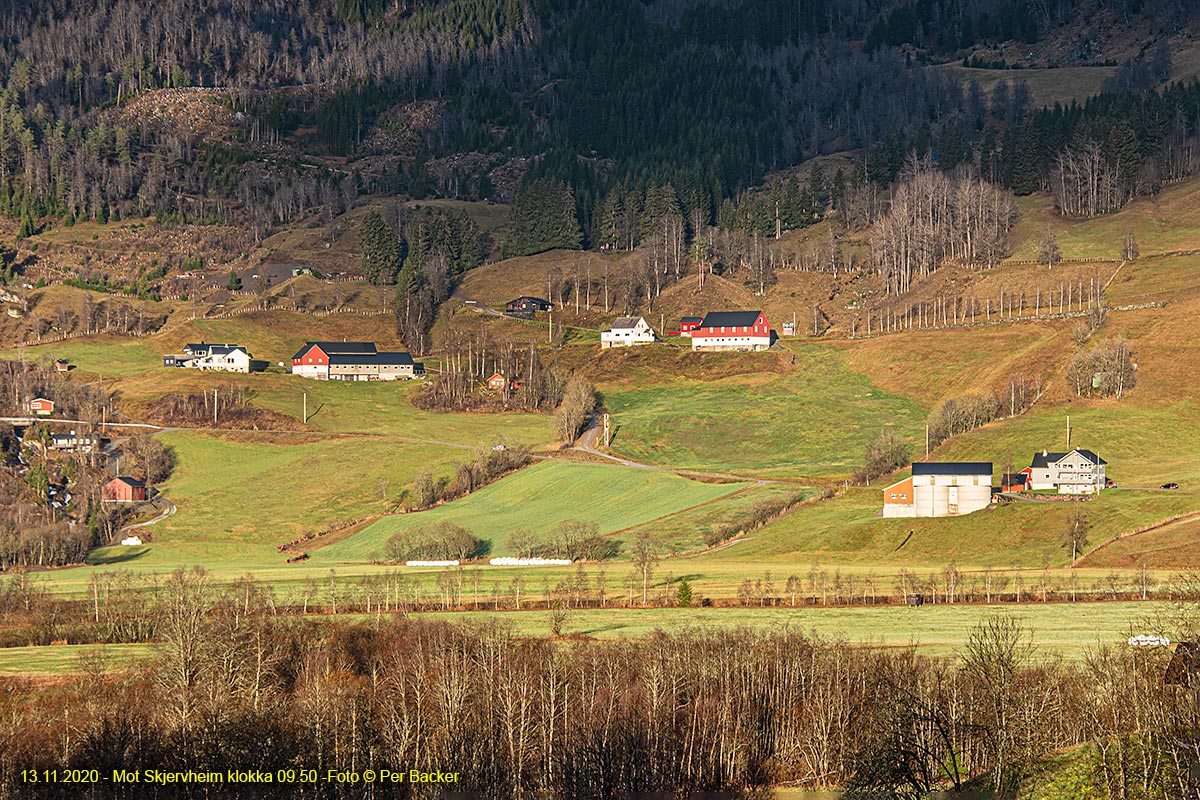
239,498
814,422
1066,628
538,498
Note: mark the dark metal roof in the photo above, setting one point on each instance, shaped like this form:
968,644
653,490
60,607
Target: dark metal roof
730,319
134,482
1043,459
338,348
691,319
401,359
952,468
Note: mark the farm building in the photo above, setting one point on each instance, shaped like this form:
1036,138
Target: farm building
1014,482
940,489
732,330
353,361
61,365
527,305
627,332
211,357
41,407
123,489
1076,472
689,324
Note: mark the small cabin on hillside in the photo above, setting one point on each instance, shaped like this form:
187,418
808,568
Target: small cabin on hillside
527,305
41,407
123,489
689,324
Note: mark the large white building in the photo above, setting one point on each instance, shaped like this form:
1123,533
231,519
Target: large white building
1076,472
732,330
940,489
627,332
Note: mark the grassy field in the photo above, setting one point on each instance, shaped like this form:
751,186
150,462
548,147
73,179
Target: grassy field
537,498
1176,545
1055,628
1048,86
813,422
69,659
1170,221
241,495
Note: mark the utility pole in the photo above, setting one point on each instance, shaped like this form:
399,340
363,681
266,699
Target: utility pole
1068,433
550,338
306,408
214,408
927,440
606,430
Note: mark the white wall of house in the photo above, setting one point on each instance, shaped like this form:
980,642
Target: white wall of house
730,342
234,361
318,371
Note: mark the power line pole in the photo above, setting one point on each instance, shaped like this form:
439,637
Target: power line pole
306,408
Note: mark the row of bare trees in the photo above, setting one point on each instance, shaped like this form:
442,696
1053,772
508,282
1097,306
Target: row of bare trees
934,217
516,716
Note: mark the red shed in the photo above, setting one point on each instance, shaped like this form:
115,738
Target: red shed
497,383
689,324
123,489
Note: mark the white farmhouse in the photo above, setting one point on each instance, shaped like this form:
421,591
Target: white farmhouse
211,357
627,332
940,489
1076,472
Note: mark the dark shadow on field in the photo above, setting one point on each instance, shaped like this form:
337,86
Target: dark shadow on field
119,555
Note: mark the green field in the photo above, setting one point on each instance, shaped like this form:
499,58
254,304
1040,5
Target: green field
239,496
612,497
1056,628
813,422
70,659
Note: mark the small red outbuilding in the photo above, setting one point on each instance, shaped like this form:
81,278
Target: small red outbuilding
123,489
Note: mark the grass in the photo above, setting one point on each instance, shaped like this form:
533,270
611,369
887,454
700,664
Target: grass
1048,86
536,499
1056,628
1167,222
813,422
1174,546
240,496
70,659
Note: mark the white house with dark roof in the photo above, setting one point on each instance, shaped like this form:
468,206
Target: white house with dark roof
211,357
732,330
627,332
940,489
1077,472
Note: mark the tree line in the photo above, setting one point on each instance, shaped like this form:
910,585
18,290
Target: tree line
691,711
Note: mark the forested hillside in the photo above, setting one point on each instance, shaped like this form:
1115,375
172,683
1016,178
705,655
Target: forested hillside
674,129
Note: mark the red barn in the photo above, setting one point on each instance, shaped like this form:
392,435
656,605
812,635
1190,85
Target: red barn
732,330
41,406
497,383
123,489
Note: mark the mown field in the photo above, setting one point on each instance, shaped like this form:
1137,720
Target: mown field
812,422
614,498
1067,629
